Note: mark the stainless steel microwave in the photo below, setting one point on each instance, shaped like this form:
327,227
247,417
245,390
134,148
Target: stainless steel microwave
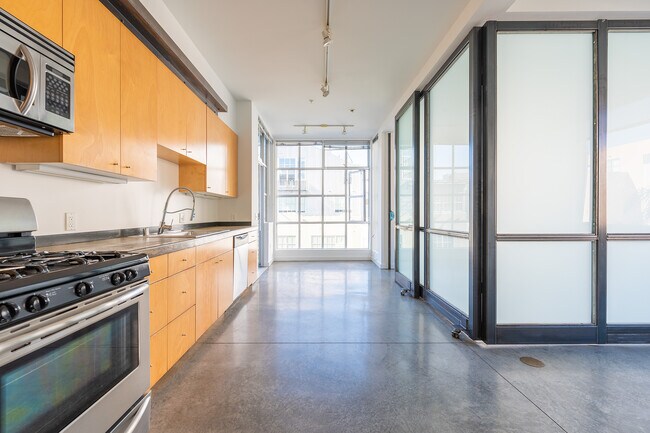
36,82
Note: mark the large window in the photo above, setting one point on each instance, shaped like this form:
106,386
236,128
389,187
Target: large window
322,195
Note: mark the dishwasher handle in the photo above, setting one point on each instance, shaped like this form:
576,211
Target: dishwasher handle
240,240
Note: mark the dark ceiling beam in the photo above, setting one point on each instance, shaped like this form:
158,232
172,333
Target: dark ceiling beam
138,19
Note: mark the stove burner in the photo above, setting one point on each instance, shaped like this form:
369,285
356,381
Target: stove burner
23,265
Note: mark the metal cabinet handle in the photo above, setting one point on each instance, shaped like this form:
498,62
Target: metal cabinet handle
184,292
26,105
127,166
183,260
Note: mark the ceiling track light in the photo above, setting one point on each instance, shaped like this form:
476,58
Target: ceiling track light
323,125
327,41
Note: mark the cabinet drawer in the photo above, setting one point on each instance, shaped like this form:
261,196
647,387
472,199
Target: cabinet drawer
181,293
181,260
157,306
252,263
180,336
252,236
213,249
158,268
158,363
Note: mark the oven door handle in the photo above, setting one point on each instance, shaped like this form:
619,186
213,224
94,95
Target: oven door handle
135,423
27,104
52,329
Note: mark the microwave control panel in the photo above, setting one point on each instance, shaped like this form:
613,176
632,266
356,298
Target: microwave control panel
57,92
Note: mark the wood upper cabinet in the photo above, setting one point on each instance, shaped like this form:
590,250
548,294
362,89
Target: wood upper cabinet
217,166
138,108
196,128
172,112
45,16
231,164
92,33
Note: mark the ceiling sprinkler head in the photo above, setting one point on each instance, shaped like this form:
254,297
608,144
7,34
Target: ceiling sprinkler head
325,88
327,37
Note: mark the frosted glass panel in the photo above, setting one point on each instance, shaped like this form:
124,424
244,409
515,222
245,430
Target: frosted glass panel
628,133
405,253
544,133
449,270
449,148
628,282
405,168
544,282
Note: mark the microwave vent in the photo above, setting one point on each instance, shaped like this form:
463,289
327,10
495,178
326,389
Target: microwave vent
12,131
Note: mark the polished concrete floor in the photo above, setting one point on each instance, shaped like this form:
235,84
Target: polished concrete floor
333,347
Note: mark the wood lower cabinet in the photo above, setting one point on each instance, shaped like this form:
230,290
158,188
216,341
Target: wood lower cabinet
181,335
158,306
157,268
181,260
45,16
158,351
206,295
181,293
225,270
138,104
253,252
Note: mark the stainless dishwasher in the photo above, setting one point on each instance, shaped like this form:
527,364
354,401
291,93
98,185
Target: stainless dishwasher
241,264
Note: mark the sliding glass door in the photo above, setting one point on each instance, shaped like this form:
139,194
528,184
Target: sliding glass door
407,192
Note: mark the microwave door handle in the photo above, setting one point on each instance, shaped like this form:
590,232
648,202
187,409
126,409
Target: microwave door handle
25,106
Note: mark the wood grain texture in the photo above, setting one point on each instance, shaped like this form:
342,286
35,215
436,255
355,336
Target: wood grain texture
92,33
181,293
158,351
253,251
158,268
206,283
226,270
231,164
217,156
138,102
181,335
45,16
181,260
158,293
171,111
196,127
213,249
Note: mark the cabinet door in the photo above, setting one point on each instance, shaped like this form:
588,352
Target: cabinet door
157,306
231,169
225,281
181,335
158,351
253,251
171,110
181,293
196,127
45,16
206,283
138,109
217,150
92,33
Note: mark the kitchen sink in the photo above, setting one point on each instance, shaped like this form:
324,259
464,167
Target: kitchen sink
186,233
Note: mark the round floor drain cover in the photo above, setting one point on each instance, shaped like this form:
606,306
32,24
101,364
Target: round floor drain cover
533,362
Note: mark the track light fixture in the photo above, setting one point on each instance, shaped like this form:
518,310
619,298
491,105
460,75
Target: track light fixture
304,129
325,88
327,36
323,125
345,131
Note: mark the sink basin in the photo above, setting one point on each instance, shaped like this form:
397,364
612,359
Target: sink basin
185,234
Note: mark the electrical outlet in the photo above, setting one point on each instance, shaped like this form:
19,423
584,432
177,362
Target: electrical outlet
70,221
181,217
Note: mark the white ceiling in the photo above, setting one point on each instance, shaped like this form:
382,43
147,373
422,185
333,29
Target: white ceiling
271,52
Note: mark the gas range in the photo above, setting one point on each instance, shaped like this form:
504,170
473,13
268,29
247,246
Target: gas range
74,325
35,283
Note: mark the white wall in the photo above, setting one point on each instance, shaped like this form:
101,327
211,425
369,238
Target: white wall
158,9
100,206
380,206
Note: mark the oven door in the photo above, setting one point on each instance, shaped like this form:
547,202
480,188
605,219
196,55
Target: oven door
80,370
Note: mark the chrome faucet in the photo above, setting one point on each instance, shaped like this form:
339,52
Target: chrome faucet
164,226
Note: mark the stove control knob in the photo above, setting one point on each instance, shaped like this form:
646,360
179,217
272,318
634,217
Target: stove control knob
36,303
117,278
130,274
8,312
82,289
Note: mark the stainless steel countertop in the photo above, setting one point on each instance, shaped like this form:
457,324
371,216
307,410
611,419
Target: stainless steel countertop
154,246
